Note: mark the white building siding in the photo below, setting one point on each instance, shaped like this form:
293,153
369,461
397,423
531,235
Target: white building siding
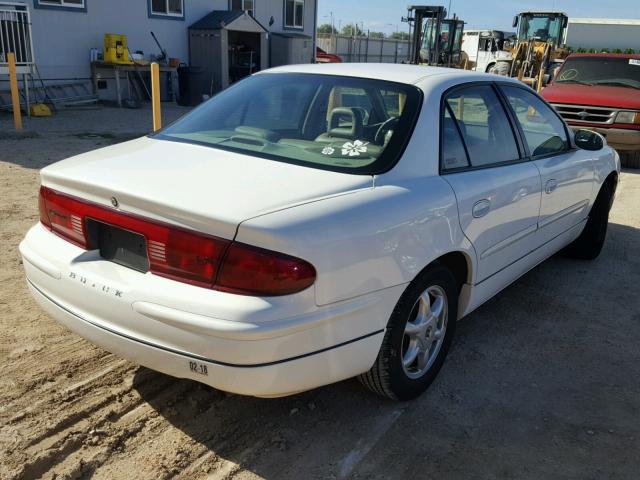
63,39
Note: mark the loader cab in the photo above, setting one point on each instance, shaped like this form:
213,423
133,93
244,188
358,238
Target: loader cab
547,27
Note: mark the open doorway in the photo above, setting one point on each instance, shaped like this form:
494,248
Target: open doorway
244,54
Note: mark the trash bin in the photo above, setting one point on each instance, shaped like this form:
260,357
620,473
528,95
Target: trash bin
190,85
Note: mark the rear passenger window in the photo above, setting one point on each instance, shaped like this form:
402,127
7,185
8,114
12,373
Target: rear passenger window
543,130
453,153
484,125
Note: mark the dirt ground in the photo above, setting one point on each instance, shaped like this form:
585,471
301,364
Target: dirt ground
542,382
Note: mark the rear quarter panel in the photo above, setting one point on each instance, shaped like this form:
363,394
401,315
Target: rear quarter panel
367,240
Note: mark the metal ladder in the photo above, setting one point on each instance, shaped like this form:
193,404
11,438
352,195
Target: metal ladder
57,94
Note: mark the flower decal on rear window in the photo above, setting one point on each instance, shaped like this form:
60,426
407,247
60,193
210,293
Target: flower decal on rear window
328,150
355,148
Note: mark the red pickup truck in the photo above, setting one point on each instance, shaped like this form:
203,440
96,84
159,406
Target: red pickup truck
601,92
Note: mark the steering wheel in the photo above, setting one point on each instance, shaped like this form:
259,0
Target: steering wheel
387,125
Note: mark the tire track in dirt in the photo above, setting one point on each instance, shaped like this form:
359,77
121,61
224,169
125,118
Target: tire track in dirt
92,426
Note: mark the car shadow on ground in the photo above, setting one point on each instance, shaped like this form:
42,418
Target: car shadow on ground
541,380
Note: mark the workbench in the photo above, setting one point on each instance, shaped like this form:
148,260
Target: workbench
116,68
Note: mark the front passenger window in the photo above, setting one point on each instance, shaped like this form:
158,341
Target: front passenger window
543,131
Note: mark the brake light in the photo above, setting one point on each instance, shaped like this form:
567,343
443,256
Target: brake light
180,254
63,215
255,271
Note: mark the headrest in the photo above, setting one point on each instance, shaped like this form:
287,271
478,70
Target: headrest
352,116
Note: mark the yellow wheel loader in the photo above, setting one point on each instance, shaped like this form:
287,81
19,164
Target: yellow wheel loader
537,49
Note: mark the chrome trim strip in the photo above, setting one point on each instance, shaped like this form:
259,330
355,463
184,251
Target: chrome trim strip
562,213
508,241
529,253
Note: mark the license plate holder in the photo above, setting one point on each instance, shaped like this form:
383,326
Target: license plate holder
119,245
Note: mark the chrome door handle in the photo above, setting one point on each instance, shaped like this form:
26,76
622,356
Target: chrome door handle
481,208
550,186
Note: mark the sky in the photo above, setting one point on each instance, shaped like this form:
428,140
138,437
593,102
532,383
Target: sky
385,15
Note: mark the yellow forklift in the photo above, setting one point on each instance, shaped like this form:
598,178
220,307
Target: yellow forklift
435,39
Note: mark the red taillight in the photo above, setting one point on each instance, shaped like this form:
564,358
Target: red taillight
255,271
180,254
173,252
63,215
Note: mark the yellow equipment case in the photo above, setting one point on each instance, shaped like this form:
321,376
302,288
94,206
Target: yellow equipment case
115,49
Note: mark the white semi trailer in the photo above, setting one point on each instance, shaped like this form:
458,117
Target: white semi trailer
602,33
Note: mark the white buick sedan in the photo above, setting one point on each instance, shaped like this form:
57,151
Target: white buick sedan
314,223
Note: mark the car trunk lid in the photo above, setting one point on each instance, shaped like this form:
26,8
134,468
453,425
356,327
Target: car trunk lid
196,187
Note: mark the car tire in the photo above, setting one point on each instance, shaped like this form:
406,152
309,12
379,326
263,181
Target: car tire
414,327
630,159
590,242
501,68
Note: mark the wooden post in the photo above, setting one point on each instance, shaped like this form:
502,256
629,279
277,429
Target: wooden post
155,96
15,96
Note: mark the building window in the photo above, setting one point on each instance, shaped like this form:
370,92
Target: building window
294,13
246,5
167,8
78,5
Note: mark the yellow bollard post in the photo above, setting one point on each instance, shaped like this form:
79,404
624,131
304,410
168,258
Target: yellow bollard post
15,97
155,96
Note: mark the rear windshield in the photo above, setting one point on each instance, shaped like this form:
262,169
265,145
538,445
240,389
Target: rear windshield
323,121
617,72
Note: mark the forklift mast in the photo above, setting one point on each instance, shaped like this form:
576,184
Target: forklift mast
435,40
416,15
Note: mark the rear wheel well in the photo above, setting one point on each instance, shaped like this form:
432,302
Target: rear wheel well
458,264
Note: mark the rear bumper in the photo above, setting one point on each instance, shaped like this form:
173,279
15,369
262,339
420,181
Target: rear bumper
269,380
251,346
618,138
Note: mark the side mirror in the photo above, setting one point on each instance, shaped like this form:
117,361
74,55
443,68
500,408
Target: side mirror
588,140
515,22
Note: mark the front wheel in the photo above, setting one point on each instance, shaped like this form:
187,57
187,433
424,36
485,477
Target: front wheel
417,338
